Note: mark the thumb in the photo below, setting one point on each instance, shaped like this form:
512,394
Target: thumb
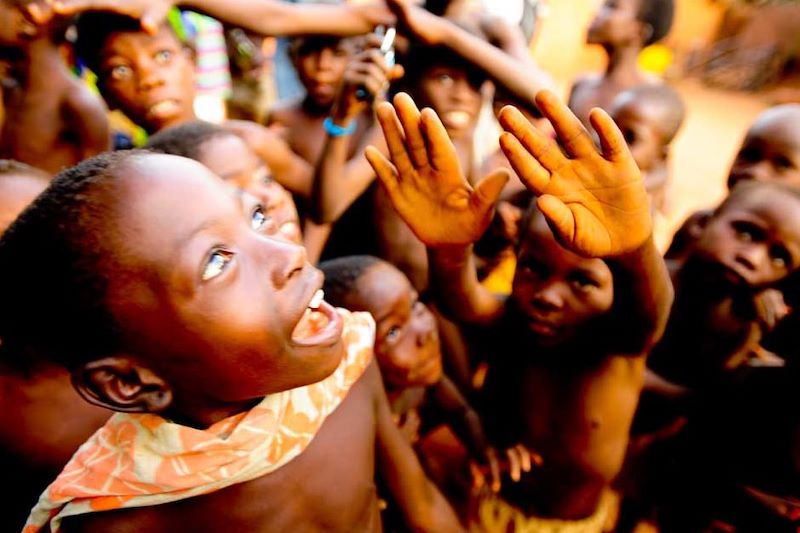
558,217
488,190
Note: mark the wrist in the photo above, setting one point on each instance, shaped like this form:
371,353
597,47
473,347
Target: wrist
338,127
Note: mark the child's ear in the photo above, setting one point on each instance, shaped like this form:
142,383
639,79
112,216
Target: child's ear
121,384
645,31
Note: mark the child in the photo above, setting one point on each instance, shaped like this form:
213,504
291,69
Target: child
43,420
649,117
233,378
750,243
622,28
52,120
230,158
447,73
406,348
570,342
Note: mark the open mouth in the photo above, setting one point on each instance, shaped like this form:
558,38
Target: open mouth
163,108
456,119
319,325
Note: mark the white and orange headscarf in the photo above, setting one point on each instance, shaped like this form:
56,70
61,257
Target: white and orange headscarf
138,460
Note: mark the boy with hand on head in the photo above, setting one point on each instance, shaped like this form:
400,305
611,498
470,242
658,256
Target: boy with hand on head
43,420
584,315
52,120
232,377
229,157
622,28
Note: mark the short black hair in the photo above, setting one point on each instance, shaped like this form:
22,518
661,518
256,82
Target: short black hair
419,58
658,14
342,275
186,139
666,102
54,268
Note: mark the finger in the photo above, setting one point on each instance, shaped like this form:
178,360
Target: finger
409,117
71,7
536,143
525,458
494,470
478,480
571,133
395,73
558,216
385,170
535,177
488,190
393,132
513,463
442,152
611,139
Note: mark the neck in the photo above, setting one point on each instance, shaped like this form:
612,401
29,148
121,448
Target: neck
200,416
623,64
312,108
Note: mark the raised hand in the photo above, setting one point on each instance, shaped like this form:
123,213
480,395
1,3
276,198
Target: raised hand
595,202
424,179
151,12
419,22
367,71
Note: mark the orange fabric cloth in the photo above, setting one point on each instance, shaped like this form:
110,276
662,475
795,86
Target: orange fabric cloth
138,460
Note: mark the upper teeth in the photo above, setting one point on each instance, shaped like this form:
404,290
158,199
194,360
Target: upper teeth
316,300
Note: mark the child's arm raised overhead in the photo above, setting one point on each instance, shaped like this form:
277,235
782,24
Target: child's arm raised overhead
428,189
596,205
268,17
521,78
337,181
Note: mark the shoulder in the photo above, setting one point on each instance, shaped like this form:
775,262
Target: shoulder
284,112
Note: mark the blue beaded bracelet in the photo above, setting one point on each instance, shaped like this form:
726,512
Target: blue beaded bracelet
335,130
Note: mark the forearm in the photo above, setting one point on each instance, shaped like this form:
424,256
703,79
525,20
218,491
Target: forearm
455,282
521,79
643,294
272,17
337,181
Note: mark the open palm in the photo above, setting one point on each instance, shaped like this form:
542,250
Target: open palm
594,201
424,179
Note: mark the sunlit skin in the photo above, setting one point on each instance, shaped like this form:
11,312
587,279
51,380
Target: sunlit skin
596,205
617,29
210,301
771,149
150,78
230,158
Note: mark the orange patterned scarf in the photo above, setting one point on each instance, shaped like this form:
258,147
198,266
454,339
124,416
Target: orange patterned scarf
138,460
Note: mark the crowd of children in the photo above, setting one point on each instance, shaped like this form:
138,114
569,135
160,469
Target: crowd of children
491,340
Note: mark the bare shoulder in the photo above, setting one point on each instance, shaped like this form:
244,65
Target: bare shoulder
284,113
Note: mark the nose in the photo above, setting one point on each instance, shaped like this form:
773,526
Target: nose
325,59
425,326
549,297
751,257
285,258
151,77
462,91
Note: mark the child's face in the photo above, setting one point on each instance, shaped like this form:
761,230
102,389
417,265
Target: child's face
407,340
150,78
616,23
770,152
454,95
752,242
641,130
207,300
321,68
558,291
230,158
16,192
